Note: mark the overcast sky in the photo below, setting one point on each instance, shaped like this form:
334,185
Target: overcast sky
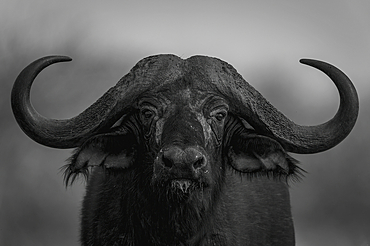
253,36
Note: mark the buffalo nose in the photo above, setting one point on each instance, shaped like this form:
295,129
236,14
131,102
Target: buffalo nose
179,158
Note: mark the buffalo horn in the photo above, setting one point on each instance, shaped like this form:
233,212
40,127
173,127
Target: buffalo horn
68,133
305,139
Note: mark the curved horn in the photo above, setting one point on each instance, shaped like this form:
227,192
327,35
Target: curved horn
307,139
101,115
57,133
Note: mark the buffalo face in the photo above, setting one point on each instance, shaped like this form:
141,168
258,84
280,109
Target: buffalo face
173,141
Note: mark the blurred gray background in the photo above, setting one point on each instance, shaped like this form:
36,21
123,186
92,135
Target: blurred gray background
263,40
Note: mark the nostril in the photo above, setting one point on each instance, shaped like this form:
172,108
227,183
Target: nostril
167,162
199,163
178,159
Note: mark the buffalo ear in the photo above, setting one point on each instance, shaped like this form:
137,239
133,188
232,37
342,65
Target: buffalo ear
259,155
116,152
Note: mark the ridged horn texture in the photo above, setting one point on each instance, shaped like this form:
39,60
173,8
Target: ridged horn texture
67,133
152,74
297,138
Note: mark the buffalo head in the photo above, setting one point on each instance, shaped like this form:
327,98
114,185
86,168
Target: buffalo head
163,141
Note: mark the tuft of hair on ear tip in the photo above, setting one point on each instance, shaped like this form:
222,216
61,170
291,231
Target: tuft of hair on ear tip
70,173
296,173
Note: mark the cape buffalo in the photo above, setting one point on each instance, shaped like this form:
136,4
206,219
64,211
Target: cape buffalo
184,152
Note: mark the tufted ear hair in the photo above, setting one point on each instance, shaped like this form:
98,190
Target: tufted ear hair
109,151
257,155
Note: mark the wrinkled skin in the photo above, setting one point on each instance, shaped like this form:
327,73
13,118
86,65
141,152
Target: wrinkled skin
164,166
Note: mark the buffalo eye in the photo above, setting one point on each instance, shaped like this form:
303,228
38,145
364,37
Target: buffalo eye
147,113
216,121
219,114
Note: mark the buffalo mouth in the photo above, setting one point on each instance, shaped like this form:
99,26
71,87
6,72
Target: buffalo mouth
184,185
184,188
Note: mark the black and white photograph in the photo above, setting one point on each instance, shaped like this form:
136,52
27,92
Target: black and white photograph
185,123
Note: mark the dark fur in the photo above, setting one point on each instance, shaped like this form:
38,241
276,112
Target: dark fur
126,207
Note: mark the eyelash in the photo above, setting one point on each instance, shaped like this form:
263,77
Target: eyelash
71,175
295,174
